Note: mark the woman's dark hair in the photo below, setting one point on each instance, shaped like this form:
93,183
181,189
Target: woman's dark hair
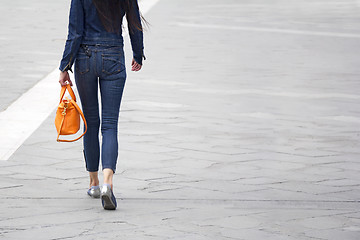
109,13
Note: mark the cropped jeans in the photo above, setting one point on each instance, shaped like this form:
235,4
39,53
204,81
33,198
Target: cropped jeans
103,66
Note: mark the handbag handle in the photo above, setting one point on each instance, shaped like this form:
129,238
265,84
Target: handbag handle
63,90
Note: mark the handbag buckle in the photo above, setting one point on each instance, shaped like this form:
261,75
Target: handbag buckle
65,107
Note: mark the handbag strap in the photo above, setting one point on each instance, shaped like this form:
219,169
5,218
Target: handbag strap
63,90
62,122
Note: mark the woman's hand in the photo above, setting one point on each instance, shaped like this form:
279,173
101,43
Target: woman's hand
135,66
65,79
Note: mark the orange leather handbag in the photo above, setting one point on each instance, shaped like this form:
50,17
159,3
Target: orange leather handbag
67,120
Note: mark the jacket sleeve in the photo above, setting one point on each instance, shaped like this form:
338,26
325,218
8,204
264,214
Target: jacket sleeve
136,37
75,34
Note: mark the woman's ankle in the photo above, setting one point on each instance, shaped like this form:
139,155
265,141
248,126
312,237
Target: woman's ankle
94,179
108,176
94,183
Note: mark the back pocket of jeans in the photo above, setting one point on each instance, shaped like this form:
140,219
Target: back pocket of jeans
82,64
112,63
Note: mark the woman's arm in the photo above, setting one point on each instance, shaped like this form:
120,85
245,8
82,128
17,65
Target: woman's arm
136,38
75,34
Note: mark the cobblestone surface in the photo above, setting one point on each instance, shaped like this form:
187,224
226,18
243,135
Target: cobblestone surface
233,130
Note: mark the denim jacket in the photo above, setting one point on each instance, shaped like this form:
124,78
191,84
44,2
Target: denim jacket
85,27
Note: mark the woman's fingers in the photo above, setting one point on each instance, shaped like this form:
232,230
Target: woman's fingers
64,79
65,82
135,66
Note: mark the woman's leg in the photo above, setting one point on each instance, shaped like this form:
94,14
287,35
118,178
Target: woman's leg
112,82
87,86
111,94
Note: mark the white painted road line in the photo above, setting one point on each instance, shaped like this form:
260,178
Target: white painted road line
271,30
28,112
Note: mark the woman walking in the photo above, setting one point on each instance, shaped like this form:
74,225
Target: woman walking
95,44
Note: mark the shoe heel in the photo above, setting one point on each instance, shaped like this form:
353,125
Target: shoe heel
94,192
108,199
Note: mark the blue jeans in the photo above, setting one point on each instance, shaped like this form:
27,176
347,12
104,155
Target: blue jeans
102,66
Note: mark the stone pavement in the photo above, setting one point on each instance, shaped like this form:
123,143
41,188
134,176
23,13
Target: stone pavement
31,42
243,124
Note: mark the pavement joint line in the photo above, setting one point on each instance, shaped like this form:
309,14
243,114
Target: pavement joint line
16,186
270,30
25,115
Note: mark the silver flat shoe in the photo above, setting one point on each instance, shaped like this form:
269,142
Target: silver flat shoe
108,199
94,192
